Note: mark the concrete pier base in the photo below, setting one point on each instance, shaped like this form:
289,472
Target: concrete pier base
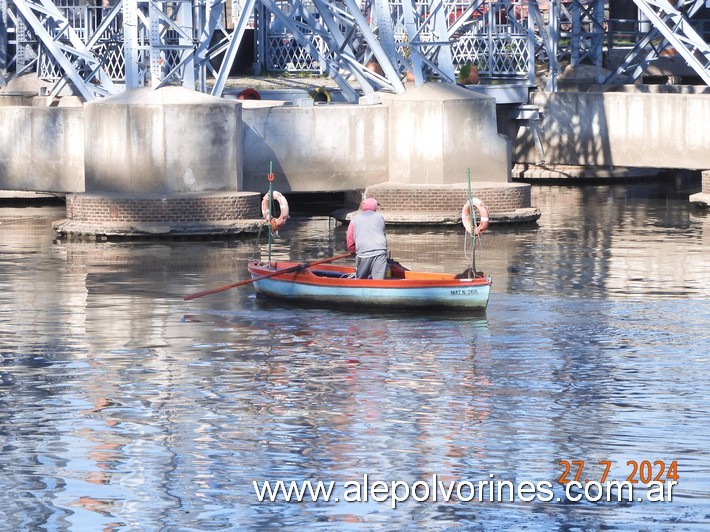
578,174
23,196
406,204
161,163
129,215
702,198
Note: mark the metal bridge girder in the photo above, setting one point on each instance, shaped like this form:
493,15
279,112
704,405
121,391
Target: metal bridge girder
159,42
432,51
384,51
645,51
4,40
340,34
331,60
173,40
61,41
587,30
673,22
549,40
244,12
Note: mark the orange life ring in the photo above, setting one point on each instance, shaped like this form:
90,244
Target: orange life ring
249,94
276,223
482,215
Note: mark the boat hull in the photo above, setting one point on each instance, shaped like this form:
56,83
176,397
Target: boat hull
436,291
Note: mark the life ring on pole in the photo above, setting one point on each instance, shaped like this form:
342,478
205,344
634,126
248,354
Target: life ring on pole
249,94
466,217
276,223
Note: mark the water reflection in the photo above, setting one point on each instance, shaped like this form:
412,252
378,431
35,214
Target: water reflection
615,242
123,407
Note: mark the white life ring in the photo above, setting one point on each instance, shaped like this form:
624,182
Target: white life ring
466,218
276,223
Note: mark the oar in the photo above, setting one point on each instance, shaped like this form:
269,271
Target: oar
272,274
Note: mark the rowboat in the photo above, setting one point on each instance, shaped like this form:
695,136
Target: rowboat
322,283
329,284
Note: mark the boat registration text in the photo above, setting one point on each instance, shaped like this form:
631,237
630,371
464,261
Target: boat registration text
465,292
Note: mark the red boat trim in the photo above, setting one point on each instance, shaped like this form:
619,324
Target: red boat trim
308,277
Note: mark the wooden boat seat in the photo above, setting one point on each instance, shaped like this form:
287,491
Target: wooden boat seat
428,276
400,272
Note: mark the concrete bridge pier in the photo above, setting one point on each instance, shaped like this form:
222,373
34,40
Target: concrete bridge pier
162,162
176,162
702,198
414,152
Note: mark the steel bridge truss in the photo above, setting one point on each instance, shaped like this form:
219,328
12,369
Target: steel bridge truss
671,27
100,50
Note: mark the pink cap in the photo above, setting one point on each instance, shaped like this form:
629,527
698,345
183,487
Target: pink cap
370,204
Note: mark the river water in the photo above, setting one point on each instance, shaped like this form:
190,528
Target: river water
124,407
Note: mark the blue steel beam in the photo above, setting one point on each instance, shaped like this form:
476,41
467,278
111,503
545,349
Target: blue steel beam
670,22
162,41
673,22
235,39
385,54
59,38
4,41
330,65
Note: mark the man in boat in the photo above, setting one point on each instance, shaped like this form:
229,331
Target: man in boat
367,239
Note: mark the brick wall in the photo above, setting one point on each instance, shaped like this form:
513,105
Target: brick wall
165,210
705,183
448,199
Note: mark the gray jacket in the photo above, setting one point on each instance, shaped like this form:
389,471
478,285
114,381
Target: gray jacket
369,234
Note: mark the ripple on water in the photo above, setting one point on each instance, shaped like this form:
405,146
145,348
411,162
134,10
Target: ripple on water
123,407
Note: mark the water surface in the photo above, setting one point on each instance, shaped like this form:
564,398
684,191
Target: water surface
124,407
